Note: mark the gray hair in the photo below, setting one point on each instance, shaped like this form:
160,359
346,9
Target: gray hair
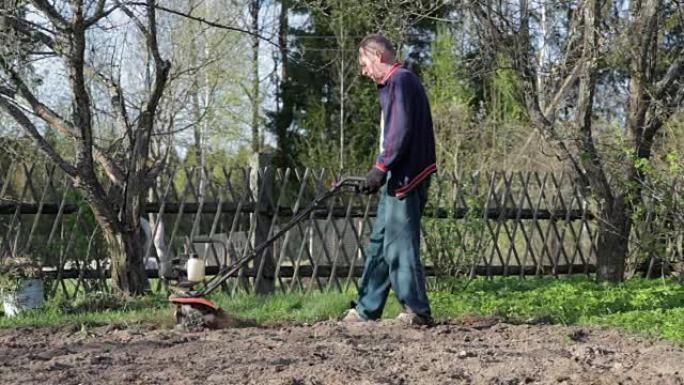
375,40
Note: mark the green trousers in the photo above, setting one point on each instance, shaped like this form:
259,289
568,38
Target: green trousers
393,256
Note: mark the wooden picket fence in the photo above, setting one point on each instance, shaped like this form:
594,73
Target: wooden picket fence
501,223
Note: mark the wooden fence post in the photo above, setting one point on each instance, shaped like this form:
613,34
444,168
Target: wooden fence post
261,184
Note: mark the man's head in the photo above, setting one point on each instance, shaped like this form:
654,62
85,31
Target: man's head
376,57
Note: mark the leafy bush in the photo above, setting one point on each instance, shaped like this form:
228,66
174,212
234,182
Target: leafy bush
15,269
93,302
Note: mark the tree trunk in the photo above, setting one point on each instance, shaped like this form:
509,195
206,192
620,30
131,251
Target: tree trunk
285,99
615,225
126,253
255,7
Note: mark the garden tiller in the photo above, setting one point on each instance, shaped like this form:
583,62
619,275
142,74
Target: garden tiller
192,306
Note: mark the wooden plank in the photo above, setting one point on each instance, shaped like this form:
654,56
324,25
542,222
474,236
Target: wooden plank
15,218
264,262
285,245
307,271
41,202
242,199
321,212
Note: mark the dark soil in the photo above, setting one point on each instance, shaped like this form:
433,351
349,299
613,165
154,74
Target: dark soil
470,351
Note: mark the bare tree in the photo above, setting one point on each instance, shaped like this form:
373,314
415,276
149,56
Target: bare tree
568,118
61,30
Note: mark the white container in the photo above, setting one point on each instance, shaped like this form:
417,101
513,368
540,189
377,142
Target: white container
195,269
29,295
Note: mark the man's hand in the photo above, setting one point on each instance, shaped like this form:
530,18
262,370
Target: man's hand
374,180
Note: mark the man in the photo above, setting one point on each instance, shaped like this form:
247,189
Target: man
401,177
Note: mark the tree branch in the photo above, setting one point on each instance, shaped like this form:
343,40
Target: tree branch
65,127
162,68
116,93
100,13
82,113
643,41
673,75
152,43
40,109
585,102
26,123
521,55
117,98
137,171
563,90
51,13
207,22
132,16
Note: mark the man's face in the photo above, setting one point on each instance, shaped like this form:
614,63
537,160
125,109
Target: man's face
369,61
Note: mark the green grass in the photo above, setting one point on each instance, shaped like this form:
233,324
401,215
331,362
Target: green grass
294,307
648,306
151,309
654,307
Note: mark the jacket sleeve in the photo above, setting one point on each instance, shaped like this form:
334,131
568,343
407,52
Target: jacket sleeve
397,131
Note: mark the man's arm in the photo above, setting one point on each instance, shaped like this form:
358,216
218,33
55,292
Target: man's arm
397,124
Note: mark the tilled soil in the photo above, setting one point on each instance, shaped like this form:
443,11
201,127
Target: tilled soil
464,352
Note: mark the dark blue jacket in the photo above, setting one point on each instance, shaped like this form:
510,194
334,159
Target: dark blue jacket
408,148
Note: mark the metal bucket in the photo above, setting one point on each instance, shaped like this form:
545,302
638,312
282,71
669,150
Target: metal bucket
29,295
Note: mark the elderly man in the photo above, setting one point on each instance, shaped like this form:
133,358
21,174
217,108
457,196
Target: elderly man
401,177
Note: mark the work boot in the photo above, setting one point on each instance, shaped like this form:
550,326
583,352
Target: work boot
408,317
352,316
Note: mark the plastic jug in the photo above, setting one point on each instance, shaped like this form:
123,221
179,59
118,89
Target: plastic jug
195,269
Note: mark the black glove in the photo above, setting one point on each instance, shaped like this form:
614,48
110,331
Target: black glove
374,180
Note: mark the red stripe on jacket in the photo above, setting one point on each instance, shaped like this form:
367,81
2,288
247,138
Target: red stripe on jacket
400,192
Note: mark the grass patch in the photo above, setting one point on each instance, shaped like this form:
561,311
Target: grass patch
294,307
655,307
95,309
662,323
